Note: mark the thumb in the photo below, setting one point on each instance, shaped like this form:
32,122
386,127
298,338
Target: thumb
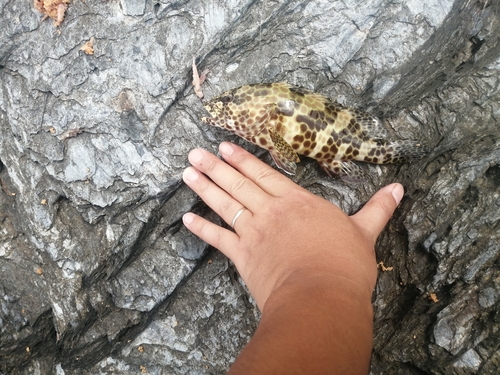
373,217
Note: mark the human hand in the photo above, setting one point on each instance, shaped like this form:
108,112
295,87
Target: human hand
286,234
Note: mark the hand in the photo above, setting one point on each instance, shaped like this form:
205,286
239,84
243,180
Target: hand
286,234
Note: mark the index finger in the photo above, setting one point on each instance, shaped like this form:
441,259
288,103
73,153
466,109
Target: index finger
264,176
238,186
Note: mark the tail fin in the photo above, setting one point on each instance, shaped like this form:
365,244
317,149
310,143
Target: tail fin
405,150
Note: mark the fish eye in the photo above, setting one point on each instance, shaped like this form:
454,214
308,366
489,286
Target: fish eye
226,98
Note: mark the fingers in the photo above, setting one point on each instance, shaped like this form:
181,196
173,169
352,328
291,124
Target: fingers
216,198
259,172
241,188
220,238
373,217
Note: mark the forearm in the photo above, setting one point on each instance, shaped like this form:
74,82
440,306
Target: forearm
314,327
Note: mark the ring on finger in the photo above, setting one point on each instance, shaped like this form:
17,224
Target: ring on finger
237,216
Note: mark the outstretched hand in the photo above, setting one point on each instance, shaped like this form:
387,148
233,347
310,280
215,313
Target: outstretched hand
286,234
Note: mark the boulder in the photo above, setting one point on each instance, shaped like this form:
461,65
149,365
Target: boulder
98,274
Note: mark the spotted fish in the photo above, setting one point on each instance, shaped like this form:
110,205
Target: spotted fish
289,120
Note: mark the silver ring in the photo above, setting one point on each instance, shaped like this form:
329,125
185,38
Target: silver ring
237,216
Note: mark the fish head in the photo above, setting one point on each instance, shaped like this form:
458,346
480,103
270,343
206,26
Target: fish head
222,109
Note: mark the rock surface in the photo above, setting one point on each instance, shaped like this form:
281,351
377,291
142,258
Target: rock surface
97,273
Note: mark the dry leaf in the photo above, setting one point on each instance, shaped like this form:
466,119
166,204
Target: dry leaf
70,133
384,268
198,80
88,47
433,297
54,9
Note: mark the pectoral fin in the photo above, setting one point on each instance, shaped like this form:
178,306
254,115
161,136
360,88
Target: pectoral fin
283,154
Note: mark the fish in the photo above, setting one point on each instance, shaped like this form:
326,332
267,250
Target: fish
289,120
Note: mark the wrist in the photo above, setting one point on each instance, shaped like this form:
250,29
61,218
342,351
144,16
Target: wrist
330,286
328,283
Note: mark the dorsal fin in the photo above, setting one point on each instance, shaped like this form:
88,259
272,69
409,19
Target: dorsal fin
370,126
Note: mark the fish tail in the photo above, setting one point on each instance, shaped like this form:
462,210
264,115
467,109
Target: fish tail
406,150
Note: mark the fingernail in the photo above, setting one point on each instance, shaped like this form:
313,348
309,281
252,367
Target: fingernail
188,218
195,156
397,192
190,174
226,148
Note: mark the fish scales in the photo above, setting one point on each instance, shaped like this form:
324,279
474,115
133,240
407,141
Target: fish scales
289,120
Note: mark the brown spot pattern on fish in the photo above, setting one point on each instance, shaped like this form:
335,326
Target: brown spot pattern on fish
289,120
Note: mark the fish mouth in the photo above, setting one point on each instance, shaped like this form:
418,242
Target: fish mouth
211,108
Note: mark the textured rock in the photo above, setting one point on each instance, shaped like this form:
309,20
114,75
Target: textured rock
97,273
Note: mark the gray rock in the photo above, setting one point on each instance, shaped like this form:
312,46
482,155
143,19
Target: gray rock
489,296
98,274
133,7
470,360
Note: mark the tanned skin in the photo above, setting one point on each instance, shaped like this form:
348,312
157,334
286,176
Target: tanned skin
310,267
